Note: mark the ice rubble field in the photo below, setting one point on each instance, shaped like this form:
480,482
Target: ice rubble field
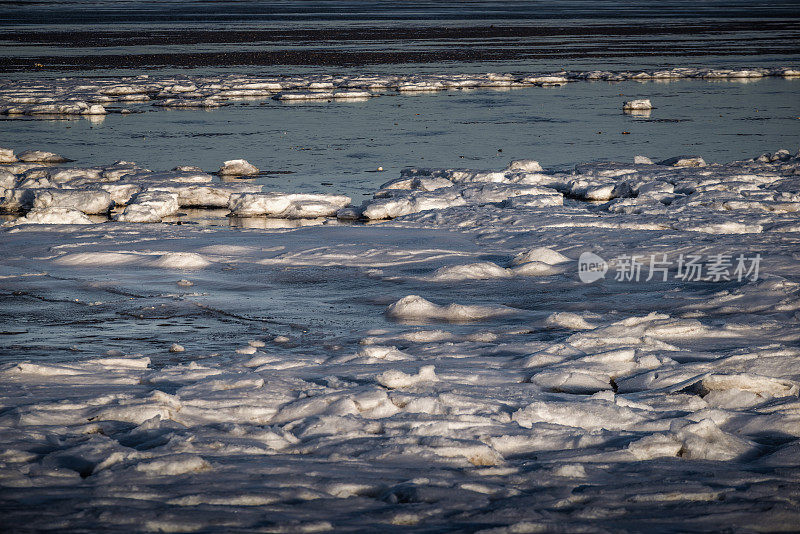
99,96
480,387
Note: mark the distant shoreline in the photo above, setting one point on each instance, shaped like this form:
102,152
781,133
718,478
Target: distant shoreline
43,48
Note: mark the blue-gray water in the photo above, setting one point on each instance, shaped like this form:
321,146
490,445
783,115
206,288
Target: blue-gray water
335,146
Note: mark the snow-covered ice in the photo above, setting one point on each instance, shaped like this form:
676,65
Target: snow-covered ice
289,206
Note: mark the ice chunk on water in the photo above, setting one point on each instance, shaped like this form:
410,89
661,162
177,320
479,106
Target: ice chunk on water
394,378
524,165
540,254
7,156
572,381
684,161
7,180
89,201
637,105
54,215
204,195
41,156
16,200
589,414
304,96
416,308
472,271
238,167
287,205
534,201
181,260
571,321
150,206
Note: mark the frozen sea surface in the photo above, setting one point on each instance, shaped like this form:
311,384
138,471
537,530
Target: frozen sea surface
446,370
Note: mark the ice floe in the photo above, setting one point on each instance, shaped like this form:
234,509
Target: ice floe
638,105
290,206
238,167
96,97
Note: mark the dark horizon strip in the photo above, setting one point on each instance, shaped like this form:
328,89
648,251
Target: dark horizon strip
352,59
46,12
144,37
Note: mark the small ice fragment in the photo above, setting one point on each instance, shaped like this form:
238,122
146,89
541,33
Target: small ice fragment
483,270
176,348
642,160
281,339
525,165
172,465
568,320
150,206
684,161
536,268
286,205
7,156
181,260
394,378
540,254
637,105
95,109
54,216
247,350
238,167
40,156
348,214
416,308
185,283
88,201
256,343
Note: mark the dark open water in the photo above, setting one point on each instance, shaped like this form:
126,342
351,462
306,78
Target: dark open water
295,36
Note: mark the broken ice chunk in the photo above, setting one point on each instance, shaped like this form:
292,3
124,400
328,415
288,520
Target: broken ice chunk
54,215
638,105
40,156
524,165
88,201
684,161
416,308
7,156
394,378
150,206
286,205
540,254
238,167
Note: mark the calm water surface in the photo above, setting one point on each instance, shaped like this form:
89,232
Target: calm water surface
337,146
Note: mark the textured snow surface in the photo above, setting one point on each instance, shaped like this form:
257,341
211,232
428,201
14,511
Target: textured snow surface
443,370
98,96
